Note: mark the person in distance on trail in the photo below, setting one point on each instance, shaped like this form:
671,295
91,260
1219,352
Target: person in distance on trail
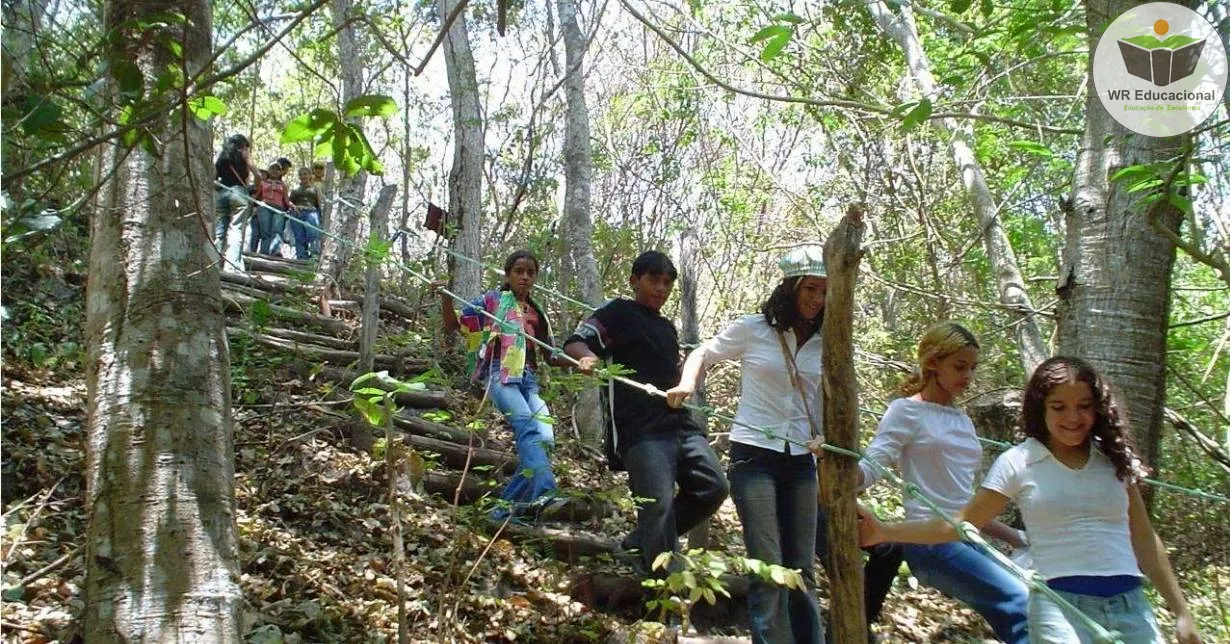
231,172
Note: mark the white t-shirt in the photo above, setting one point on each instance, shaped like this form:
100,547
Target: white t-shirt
933,446
1077,520
768,398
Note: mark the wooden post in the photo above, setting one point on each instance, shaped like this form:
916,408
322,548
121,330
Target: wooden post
361,433
379,218
839,474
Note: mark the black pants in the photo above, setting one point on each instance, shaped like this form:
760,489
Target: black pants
655,465
878,573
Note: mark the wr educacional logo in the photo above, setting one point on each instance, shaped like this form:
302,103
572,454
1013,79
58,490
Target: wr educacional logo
1160,59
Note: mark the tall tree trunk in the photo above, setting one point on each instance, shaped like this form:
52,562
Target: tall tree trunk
465,179
689,271
1114,286
344,219
161,548
839,474
902,28
576,227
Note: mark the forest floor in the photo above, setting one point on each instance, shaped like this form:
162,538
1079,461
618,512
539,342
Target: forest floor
314,522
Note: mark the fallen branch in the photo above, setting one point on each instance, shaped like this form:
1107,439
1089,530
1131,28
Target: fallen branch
336,356
415,399
239,303
303,337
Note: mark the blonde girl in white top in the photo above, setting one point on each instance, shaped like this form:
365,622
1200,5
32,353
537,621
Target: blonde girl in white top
934,446
1088,528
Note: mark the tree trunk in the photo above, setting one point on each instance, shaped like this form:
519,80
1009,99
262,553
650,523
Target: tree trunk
343,220
689,259
161,547
1114,286
576,226
1011,285
379,219
839,474
465,179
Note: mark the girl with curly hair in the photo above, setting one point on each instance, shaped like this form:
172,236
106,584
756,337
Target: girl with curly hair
1075,480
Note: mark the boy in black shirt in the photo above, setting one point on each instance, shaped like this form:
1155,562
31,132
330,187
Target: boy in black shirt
658,445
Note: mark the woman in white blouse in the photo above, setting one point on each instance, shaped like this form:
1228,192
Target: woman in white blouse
773,481
1089,531
934,447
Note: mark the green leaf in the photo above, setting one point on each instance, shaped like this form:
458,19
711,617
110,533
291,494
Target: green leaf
660,562
1179,201
370,105
370,391
791,18
776,37
917,115
372,412
987,7
317,123
1032,147
1133,171
40,114
371,375
128,78
206,107
960,6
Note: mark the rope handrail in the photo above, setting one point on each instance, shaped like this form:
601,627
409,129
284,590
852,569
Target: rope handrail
966,531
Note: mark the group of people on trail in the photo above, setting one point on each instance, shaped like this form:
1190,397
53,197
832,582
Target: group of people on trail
259,201
1074,477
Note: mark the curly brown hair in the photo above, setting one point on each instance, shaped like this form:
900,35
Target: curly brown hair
1110,432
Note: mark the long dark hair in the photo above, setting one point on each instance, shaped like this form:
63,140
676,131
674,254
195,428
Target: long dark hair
232,150
781,310
512,261
1110,432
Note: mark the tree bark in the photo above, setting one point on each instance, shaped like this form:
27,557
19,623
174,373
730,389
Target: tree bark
343,220
161,547
689,258
579,268
839,474
465,179
379,219
1011,286
1114,286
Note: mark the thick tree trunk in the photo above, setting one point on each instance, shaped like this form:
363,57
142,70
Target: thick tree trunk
839,474
580,270
344,219
689,260
1011,285
1114,286
465,179
161,549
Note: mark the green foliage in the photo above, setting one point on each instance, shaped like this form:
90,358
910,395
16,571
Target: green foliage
333,136
697,575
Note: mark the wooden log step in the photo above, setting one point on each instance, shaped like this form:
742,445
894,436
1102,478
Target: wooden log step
416,399
335,356
414,425
445,485
317,339
564,544
270,282
241,303
626,594
457,456
277,265
287,260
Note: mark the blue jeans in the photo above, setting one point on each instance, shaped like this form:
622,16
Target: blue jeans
775,495
305,235
964,573
271,221
229,206
655,465
530,421
1129,613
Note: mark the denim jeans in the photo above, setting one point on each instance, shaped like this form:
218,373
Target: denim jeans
530,420
883,562
775,495
655,465
964,573
270,222
229,206
306,235
1129,613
